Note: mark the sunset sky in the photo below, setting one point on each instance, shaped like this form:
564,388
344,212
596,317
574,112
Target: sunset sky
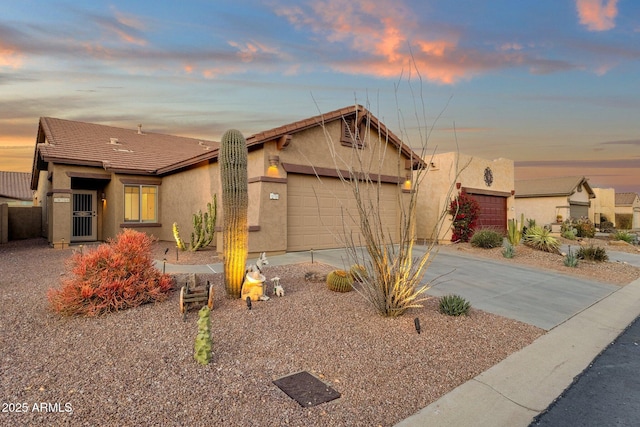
552,84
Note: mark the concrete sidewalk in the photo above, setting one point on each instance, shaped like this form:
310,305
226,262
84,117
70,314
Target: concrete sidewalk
517,389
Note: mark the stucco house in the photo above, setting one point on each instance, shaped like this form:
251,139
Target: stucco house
547,199
628,204
489,182
93,180
603,206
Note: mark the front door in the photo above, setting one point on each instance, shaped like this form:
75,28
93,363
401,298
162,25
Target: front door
83,218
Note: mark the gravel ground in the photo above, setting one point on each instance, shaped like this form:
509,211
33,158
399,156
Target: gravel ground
136,367
615,273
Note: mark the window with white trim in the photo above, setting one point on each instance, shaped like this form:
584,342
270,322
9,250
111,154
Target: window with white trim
141,203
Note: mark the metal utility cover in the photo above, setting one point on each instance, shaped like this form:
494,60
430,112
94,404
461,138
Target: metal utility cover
306,389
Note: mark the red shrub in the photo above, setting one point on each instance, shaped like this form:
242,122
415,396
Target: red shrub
465,211
116,275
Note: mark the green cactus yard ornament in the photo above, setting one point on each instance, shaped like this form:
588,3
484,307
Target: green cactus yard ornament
202,346
235,202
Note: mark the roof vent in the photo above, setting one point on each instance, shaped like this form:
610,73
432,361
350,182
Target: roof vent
114,141
140,129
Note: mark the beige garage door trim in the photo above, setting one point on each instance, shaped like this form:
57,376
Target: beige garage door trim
318,211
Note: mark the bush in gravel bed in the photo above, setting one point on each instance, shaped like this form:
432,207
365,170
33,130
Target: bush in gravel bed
539,238
592,253
571,259
625,236
454,305
464,210
486,238
116,275
508,251
584,227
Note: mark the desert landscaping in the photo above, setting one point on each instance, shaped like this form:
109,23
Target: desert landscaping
136,367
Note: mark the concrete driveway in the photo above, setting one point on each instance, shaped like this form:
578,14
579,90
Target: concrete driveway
539,297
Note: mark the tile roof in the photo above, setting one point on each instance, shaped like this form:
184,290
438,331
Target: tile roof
547,187
129,151
15,185
625,199
118,149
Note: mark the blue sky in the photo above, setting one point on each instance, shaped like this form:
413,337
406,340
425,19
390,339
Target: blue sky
552,84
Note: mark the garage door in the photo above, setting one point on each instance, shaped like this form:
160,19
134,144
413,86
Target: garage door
319,211
493,211
578,211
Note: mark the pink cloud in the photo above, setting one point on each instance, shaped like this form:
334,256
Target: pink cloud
597,15
386,40
10,58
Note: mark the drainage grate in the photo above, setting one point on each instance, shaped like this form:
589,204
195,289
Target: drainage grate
306,389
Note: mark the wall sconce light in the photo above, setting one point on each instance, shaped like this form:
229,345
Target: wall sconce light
274,161
513,192
272,170
407,182
104,197
458,185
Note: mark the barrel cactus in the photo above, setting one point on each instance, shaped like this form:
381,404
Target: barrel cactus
359,272
340,281
235,202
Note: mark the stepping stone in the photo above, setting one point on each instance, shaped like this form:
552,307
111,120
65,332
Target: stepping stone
306,389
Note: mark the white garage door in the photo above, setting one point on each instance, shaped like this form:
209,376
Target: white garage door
319,212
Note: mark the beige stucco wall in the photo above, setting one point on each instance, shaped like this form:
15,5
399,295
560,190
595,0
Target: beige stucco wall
543,210
437,187
323,149
604,204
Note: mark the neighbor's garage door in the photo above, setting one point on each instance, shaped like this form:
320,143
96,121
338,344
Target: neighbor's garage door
578,211
318,211
493,211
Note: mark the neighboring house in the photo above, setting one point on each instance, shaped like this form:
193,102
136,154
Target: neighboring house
628,204
489,182
547,199
603,206
14,188
93,180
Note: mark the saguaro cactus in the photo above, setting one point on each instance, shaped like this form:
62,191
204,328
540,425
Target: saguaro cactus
235,202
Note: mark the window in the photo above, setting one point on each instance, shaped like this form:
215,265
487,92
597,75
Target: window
141,203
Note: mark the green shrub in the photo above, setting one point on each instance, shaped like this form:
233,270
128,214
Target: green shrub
571,259
568,231
486,238
539,238
623,235
464,210
584,227
593,253
454,305
116,275
508,251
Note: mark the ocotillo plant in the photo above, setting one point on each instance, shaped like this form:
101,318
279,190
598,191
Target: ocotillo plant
235,201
